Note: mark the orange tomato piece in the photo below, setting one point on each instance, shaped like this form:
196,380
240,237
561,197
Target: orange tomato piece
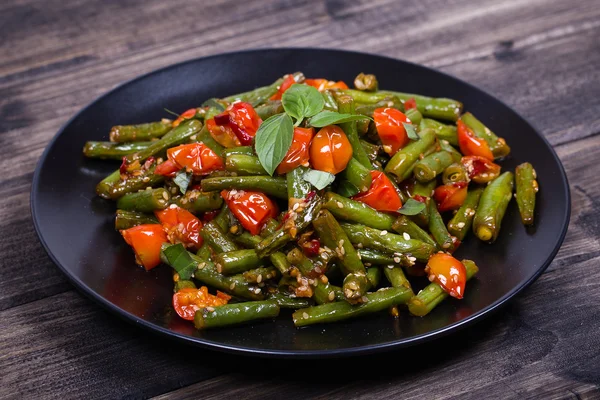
195,157
330,150
189,300
450,196
410,104
191,113
448,272
252,209
285,85
146,241
298,151
167,168
471,145
382,194
388,122
323,84
236,126
181,226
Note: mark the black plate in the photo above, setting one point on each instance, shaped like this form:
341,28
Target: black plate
76,227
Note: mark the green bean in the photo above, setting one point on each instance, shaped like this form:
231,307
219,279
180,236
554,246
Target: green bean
321,291
205,137
387,242
297,186
424,189
433,294
236,261
397,278
243,150
204,252
112,187
128,219
141,132
346,106
445,145
258,95
455,173
415,116
430,107
355,211
438,230
234,314
111,150
527,187
388,102
371,149
183,284
373,277
442,131
402,163
341,310
404,225
272,186
175,137
366,82
198,202
492,206
497,145
286,301
223,217
330,103
244,165
300,219
461,222
374,257
146,200
333,236
357,174
362,127
269,109
431,166
216,238
260,274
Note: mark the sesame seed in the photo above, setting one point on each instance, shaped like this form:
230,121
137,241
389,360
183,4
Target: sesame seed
324,279
210,309
173,206
461,225
295,207
390,266
342,251
193,138
367,264
431,278
348,293
339,204
352,285
406,236
331,295
364,299
148,187
304,315
397,260
201,265
360,245
411,258
165,195
259,279
257,290
232,286
146,179
446,245
359,256
383,233
341,242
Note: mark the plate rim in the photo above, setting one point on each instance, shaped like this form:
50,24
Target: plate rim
306,354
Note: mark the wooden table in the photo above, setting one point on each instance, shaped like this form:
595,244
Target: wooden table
542,57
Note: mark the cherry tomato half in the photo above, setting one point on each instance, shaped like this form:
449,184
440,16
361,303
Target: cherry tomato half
382,194
448,272
388,122
410,104
298,151
146,241
189,300
195,157
480,169
252,209
471,145
181,226
330,150
285,85
167,168
450,196
323,84
236,126
191,113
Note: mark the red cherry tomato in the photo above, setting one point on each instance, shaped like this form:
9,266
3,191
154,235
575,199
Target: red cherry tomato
236,126
195,157
285,85
181,226
298,151
189,300
471,145
330,150
323,84
146,241
167,168
388,122
252,209
448,272
481,170
410,104
450,196
191,113
382,194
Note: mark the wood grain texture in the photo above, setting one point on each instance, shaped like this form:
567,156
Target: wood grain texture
539,56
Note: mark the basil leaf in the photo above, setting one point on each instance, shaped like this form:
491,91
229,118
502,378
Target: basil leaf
347,189
181,261
325,118
301,101
273,139
412,207
318,179
183,179
410,131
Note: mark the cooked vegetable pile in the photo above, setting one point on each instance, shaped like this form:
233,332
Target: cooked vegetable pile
303,193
